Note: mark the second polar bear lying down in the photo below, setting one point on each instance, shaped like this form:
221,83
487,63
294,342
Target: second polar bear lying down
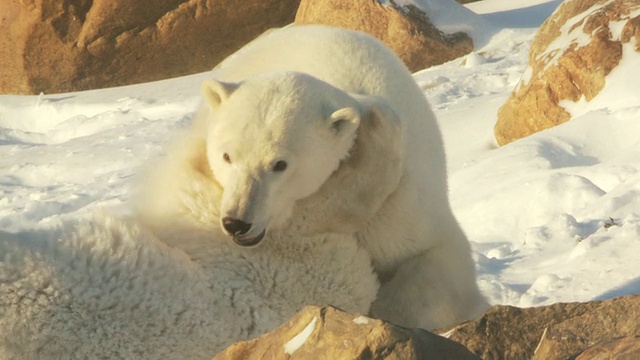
109,289
312,129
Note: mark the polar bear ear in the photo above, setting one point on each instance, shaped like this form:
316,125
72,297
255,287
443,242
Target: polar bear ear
345,120
215,92
376,111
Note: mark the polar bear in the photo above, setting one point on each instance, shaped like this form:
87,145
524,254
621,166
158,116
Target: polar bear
312,129
107,288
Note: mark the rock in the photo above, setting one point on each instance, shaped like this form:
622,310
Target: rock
405,29
507,332
609,320
558,331
328,333
570,57
57,46
623,348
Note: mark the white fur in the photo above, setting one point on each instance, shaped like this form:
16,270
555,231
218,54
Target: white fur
418,248
109,289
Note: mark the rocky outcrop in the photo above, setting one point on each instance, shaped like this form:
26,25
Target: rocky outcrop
559,331
407,30
57,46
328,333
570,57
581,331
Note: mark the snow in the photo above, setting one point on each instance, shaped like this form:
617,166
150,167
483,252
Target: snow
361,320
515,13
552,217
297,341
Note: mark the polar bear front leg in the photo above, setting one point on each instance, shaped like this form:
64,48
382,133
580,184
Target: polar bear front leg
434,289
355,192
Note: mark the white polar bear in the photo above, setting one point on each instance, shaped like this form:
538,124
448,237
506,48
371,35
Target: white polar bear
287,110
109,289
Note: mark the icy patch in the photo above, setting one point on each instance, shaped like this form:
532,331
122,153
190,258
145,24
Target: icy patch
361,320
297,341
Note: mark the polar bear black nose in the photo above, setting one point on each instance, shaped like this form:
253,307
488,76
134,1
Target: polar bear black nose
235,226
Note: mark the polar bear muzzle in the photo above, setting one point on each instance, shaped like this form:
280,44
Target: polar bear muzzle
238,230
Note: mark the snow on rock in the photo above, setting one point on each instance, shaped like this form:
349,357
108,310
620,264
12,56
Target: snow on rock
571,58
451,17
361,320
297,341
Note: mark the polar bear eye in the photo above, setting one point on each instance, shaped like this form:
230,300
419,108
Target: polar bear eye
280,166
226,158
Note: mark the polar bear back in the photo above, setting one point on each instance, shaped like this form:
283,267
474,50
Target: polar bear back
349,60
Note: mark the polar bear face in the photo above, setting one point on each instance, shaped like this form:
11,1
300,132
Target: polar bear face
273,140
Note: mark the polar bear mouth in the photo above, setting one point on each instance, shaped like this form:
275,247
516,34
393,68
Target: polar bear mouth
249,241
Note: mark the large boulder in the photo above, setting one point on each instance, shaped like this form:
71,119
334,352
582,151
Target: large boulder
569,60
328,333
558,331
57,46
407,29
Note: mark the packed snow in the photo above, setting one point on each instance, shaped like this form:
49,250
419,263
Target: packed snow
552,217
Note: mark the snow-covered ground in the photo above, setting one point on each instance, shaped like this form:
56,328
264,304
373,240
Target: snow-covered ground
553,217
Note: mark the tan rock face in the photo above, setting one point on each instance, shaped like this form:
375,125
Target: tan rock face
56,46
570,57
328,333
406,30
626,348
506,332
558,331
609,320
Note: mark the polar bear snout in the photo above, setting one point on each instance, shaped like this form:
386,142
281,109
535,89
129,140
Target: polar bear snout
238,229
235,226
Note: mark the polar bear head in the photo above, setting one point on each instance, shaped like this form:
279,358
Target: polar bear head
272,140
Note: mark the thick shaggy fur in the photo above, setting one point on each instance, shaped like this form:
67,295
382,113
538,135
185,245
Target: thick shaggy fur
109,289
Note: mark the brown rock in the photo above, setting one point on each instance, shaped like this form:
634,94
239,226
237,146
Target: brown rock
56,46
626,348
609,320
558,71
558,331
328,333
406,30
506,332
